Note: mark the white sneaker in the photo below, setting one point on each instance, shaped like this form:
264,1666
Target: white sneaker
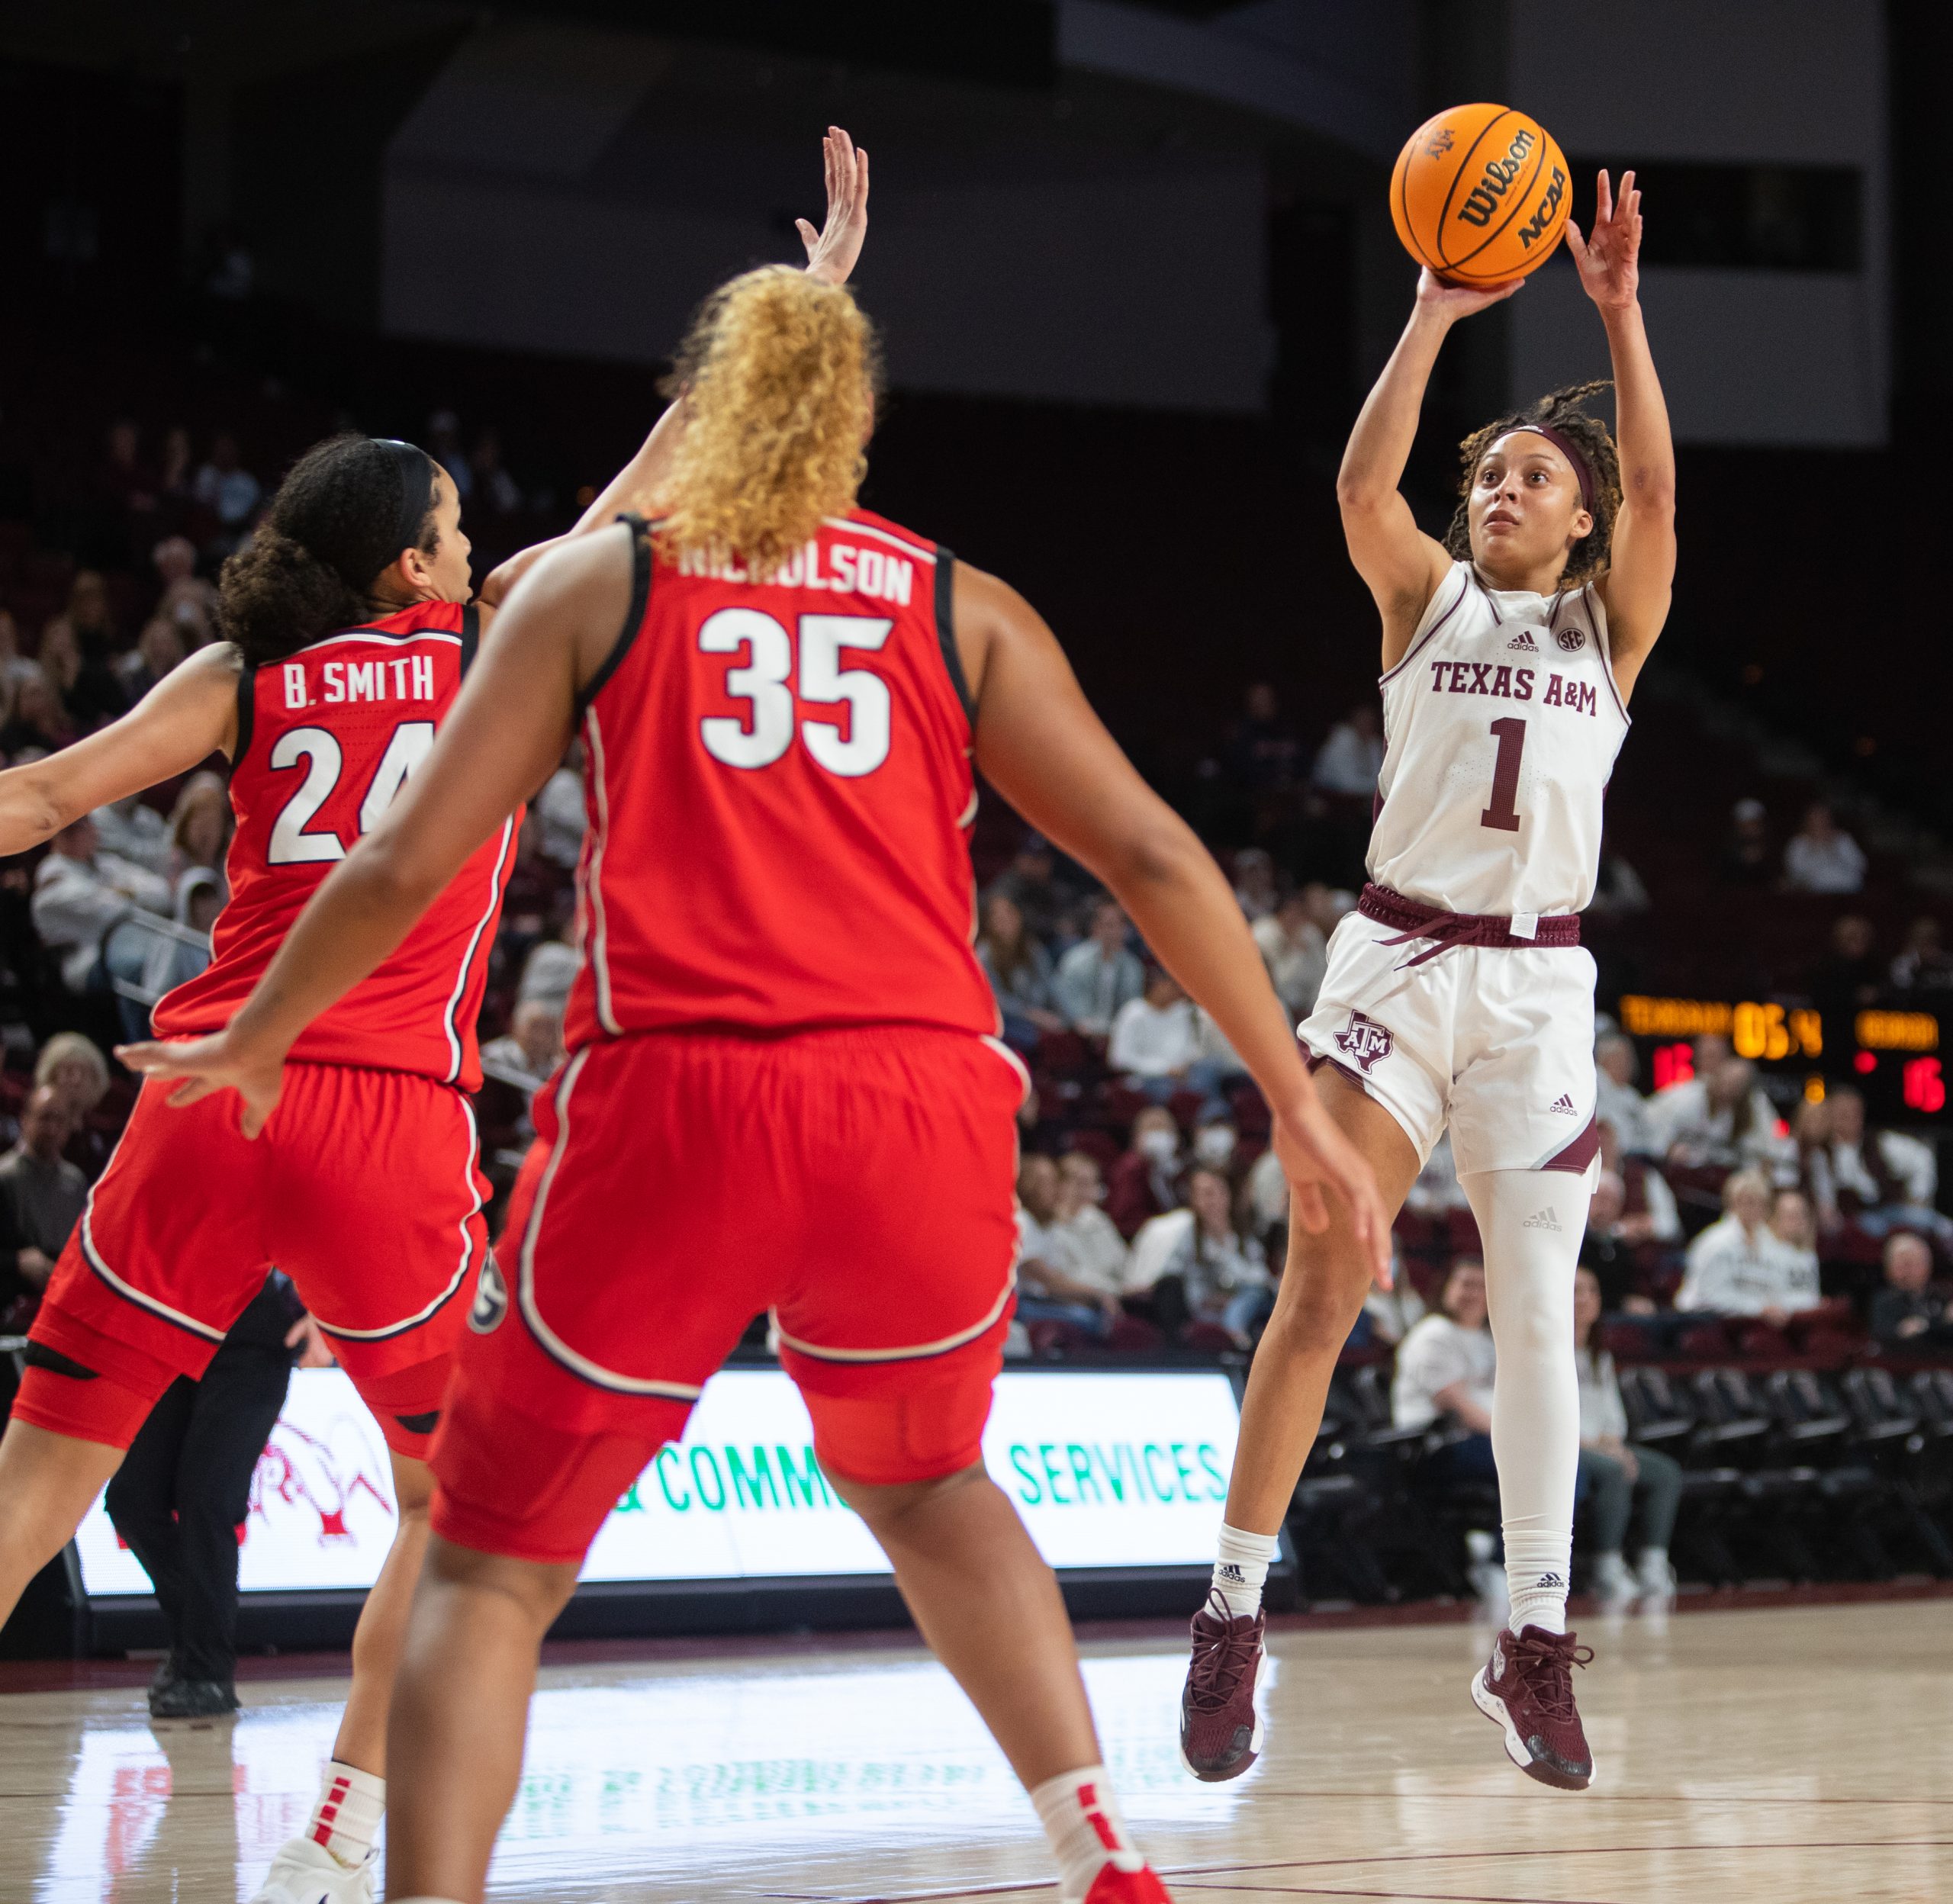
1615,1583
1656,1577
304,1872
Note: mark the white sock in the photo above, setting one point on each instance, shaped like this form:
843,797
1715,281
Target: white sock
1240,1569
1087,1829
346,1818
1531,1222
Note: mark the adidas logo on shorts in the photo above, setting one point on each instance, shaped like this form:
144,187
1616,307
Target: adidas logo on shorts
1563,1102
1545,1219
1522,643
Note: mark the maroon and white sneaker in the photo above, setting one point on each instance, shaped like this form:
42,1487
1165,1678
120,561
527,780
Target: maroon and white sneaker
1527,1687
1220,1730
1113,1885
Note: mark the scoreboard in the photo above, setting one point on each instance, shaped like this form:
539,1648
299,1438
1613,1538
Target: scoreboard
1894,1057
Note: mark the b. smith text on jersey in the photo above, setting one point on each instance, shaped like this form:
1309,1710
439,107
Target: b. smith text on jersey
1507,683
409,678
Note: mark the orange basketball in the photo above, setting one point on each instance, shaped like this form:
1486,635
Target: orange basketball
1481,195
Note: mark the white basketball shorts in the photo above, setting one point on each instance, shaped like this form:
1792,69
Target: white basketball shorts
1496,1042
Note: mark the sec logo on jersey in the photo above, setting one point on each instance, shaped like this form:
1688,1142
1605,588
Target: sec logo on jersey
1571,639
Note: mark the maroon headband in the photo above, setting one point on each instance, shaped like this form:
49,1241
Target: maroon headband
1565,446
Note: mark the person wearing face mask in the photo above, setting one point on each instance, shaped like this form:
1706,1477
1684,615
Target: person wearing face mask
1143,1181
1214,1144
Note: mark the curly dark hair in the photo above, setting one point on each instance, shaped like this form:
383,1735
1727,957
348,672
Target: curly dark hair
334,525
1565,411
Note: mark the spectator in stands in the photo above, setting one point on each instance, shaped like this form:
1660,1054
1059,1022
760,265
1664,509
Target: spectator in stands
1720,1121
76,646
72,1065
531,1049
1607,1255
1196,1266
444,445
493,487
1049,1288
199,825
561,815
1854,975
15,667
1100,976
1019,970
1794,1224
231,494
1351,757
176,472
548,972
159,649
1908,1313
40,723
133,831
1879,1181
127,489
1823,858
1264,752
1160,1046
1294,949
1617,1065
80,891
1095,1248
1255,890
1216,1143
1267,1192
42,1195
1649,1217
1925,965
1144,1182
187,599
1033,883
1617,1478
1738,1267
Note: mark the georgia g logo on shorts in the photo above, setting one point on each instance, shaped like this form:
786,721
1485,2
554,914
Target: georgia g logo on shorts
491,1300
1365,1041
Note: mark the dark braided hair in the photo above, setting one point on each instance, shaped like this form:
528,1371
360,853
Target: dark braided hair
1565,411
345,512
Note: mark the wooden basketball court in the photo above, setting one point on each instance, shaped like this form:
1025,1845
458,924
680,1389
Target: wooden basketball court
1803,1753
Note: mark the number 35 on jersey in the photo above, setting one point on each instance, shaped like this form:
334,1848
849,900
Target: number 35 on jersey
790,685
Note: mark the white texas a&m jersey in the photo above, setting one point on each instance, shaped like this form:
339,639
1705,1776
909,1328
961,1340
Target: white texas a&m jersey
1501,724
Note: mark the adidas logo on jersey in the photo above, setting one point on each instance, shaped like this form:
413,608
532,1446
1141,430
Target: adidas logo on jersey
1545,1219
1522,643
1563,1102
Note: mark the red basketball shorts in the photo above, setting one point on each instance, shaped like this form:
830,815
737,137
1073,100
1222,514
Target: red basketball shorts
363,1189
858,1184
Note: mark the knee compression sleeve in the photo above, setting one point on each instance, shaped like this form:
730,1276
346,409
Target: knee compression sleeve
1531,1222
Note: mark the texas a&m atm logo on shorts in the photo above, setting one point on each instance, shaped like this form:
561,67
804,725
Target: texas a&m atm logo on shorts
1365,1042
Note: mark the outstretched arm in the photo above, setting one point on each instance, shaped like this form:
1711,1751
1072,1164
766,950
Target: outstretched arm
506,732
832,252
1640,581
187,716
1401,564
1039,743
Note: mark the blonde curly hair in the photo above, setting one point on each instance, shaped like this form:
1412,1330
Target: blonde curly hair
780,373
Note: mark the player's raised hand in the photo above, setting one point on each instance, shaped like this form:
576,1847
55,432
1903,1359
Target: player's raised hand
1316,1157
1610,255
210,1064
1461,300
831,251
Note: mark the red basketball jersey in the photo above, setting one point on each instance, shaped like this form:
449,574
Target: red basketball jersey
780,794
325,738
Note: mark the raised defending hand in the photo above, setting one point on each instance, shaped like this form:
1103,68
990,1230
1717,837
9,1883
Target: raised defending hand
831,251
1316,1156
1610,256
214,1064
1461,300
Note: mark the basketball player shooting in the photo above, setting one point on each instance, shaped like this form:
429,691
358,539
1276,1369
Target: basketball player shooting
780,1041
1457,993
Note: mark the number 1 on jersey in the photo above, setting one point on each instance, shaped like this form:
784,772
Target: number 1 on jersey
1503,812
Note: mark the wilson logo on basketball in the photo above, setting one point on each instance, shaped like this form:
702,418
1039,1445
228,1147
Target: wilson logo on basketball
1482,200
1367,1042
1547,212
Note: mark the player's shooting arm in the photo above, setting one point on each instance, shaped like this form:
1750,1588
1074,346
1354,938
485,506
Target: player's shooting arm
1639,581
831,254
188,715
